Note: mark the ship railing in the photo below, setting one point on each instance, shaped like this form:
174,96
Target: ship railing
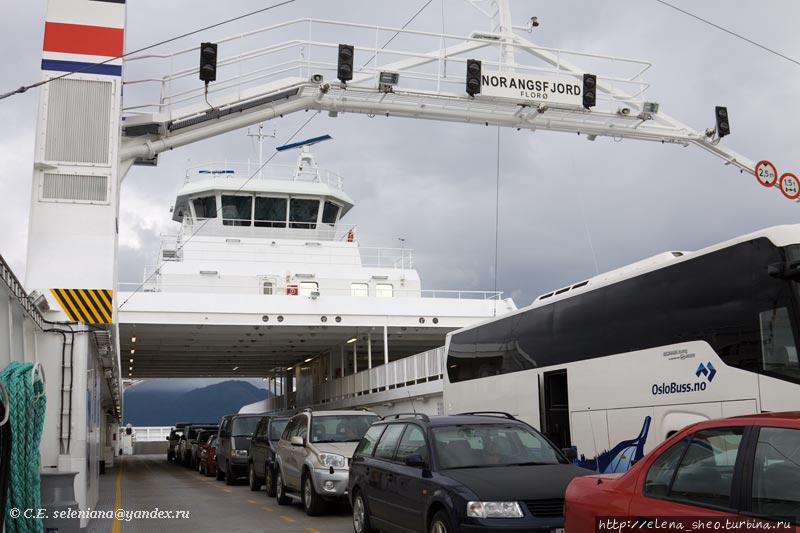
229,227
154,283
151,433
226,172
419,368
277,54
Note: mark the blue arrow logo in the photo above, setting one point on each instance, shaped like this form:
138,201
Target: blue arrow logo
706,370
701,370
711,371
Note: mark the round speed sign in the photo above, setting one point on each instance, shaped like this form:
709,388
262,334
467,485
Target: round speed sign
766,173
790,186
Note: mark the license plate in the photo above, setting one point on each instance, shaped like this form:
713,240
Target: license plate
557,530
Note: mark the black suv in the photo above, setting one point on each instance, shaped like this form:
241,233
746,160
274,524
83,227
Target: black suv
463,473
262,453
233,446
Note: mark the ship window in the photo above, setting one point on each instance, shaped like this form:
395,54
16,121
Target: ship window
303,213
267,287
205,207
307,287
237,210
329,213
359,290
270,212
384,290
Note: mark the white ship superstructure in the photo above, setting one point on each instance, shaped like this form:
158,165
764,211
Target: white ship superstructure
265,279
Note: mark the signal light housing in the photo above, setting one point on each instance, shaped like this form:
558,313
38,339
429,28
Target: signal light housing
344,65
723,125
208,62
473,81
589,90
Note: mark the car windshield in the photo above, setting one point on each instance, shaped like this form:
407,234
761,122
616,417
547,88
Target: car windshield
340,428
244,426
276,429
490,445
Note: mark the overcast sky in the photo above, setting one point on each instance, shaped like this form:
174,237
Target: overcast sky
434,183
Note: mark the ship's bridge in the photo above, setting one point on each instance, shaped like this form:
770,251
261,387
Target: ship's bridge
255,200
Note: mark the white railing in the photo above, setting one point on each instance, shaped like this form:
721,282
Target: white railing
221,173
293,49
151,433
420,368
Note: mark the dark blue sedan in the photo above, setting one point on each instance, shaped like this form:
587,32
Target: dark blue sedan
464,473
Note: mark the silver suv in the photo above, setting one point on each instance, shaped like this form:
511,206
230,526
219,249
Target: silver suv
313,456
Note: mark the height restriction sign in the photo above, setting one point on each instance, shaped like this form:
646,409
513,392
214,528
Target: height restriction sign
766,173
790,186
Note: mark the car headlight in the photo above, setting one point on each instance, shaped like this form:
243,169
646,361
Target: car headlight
332,459
238,453
494,510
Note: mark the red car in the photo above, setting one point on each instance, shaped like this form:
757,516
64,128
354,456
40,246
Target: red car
743,468
207,463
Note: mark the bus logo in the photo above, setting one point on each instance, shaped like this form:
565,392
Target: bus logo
706,370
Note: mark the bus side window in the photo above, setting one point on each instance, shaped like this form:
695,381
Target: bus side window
778,348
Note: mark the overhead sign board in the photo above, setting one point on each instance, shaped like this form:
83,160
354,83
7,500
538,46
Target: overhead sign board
766,173
544,88
790,186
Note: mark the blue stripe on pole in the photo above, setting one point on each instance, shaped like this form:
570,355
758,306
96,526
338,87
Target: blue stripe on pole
88,68
312,140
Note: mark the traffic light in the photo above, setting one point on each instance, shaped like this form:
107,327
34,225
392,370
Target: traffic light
344,66
473,77
723,126
589,90
208,62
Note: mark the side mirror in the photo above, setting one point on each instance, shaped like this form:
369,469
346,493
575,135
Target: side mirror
415,460
297,441
571,453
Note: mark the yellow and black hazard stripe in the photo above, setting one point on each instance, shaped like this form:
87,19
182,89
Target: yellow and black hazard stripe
90,306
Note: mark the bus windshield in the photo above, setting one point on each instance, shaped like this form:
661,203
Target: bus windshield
492,445
244,426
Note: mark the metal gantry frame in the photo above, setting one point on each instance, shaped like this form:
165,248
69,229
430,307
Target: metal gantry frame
264,80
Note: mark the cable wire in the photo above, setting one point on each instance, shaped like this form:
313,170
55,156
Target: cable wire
731,32
404,26
496,214
243,185
25,88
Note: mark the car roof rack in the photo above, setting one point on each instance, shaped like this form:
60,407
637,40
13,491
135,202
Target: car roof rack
502,414
397,416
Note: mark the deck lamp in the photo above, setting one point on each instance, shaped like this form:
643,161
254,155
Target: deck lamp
723,126
208,62
589,90
473,77
344,65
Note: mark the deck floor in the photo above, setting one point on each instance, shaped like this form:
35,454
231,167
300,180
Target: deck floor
149,482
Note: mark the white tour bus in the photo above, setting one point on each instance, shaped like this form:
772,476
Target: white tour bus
615,364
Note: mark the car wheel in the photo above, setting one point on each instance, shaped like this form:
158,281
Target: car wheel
270,481
361,515
220,473
254,481
230,479
312,502
440,523
280,490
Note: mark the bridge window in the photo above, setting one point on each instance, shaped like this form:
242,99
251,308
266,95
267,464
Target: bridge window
303,213
329,213
237,210
205,207
270,212
307,287
384,290
359,290
267,287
